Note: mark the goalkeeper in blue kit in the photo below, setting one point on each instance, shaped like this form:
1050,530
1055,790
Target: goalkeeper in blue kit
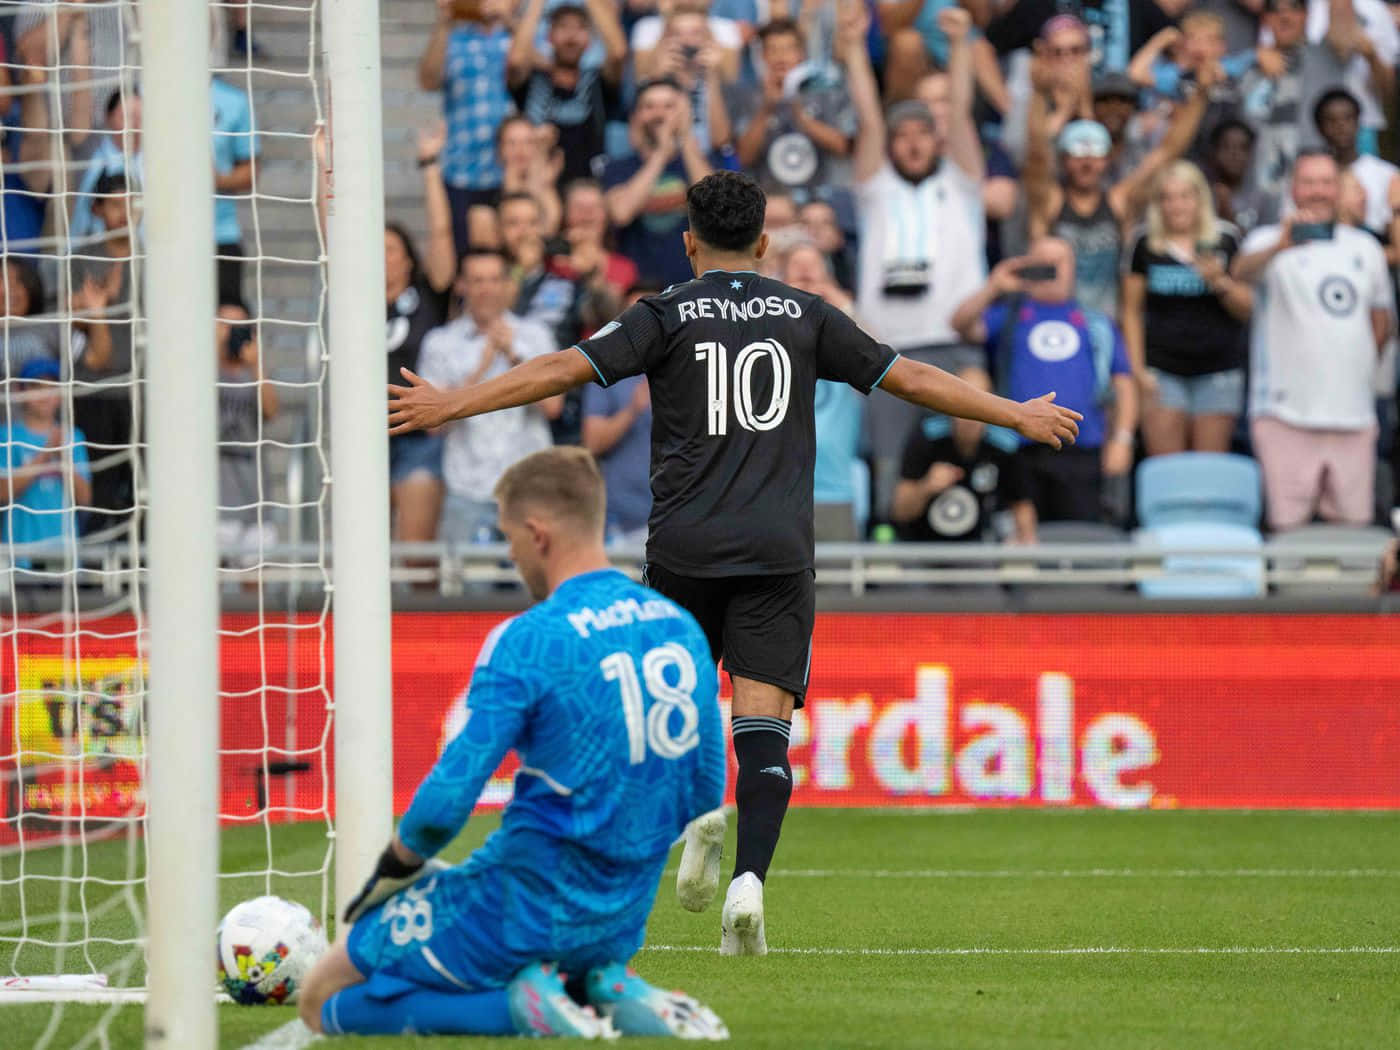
607,692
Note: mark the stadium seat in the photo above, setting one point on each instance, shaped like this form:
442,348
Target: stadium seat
1362,545
860,504
1198,488
1205,575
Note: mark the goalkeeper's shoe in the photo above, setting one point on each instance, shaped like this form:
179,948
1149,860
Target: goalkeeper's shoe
540,1006
741,922
637,1008
698,877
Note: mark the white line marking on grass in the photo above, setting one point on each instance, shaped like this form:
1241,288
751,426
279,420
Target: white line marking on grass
291,1036
1230,950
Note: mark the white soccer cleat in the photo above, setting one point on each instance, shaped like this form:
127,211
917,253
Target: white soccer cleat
697,881
741,922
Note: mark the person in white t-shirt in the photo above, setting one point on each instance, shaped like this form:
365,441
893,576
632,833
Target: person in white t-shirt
919,205
1323,310
481,344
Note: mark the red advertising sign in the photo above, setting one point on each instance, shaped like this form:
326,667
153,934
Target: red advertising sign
904,709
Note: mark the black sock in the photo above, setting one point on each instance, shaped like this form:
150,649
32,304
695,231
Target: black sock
762,791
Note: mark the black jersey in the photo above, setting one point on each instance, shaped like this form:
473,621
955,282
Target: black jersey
733,360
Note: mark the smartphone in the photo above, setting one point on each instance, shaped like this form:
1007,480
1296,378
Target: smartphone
239,336
1303,232
1037,273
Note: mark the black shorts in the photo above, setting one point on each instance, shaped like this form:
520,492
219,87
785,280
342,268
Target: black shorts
760,625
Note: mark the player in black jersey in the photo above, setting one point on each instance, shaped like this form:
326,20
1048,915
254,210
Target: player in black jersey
732,359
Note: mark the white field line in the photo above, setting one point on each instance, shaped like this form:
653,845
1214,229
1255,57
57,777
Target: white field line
291,1036
1082,873
1111,950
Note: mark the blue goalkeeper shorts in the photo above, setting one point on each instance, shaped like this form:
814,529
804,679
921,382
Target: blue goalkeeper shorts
473,928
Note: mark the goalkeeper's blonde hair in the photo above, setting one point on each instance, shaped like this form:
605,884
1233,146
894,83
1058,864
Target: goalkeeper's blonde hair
562,482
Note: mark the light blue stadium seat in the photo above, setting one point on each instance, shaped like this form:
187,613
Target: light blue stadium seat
1198,487
1205,575
860,503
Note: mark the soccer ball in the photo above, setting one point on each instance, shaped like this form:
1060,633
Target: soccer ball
267,946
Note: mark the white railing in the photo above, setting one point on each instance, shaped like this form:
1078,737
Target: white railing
1343,567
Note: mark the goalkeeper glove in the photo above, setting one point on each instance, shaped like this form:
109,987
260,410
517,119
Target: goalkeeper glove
390,875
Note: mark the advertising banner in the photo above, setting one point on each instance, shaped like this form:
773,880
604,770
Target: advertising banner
1119,711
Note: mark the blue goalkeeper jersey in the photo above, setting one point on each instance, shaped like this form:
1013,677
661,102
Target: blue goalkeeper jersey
607,692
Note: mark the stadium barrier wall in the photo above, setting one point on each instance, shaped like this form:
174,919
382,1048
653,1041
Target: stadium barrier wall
1118,711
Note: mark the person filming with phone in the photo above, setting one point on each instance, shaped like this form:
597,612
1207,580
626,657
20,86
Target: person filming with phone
1037,333
1324,309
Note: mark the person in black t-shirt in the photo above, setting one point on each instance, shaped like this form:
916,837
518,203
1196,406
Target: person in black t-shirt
1184,318
955,475
416,300
559,90
733,359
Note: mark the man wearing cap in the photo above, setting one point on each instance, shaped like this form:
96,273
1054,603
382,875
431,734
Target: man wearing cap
919,200
557,90
1279,105
40,452
1079,209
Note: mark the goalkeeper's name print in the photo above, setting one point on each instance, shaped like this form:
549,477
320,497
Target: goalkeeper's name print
620,614
740,309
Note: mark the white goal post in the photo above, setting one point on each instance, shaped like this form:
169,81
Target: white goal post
182,749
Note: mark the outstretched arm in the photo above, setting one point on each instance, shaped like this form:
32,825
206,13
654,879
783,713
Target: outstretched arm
1038,419
422,406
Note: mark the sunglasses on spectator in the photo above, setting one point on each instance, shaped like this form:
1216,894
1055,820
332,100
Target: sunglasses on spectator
1077,51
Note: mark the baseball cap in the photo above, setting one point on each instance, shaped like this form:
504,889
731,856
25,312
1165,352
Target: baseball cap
1085,138
568,7
39,368
1115,85
909,109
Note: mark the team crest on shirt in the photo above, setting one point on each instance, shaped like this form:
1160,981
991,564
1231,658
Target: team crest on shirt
1338,296
1053,341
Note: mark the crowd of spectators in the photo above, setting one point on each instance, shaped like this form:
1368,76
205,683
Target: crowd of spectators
70,232
1174,213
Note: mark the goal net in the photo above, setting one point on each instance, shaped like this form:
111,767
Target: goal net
74,705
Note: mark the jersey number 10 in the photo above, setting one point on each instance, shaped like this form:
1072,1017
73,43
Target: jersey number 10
716,358
654,727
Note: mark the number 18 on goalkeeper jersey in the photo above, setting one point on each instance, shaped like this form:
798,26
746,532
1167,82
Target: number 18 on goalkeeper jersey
607,692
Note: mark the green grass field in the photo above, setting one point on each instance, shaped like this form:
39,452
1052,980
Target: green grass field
986,929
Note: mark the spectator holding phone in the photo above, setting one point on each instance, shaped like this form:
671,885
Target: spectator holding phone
1183,318
1081,208
42,458
1326,308
557,89
466,60
1038,335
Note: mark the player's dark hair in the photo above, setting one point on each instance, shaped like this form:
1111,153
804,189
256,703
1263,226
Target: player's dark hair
726,211
563,482
1334,95
781,27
